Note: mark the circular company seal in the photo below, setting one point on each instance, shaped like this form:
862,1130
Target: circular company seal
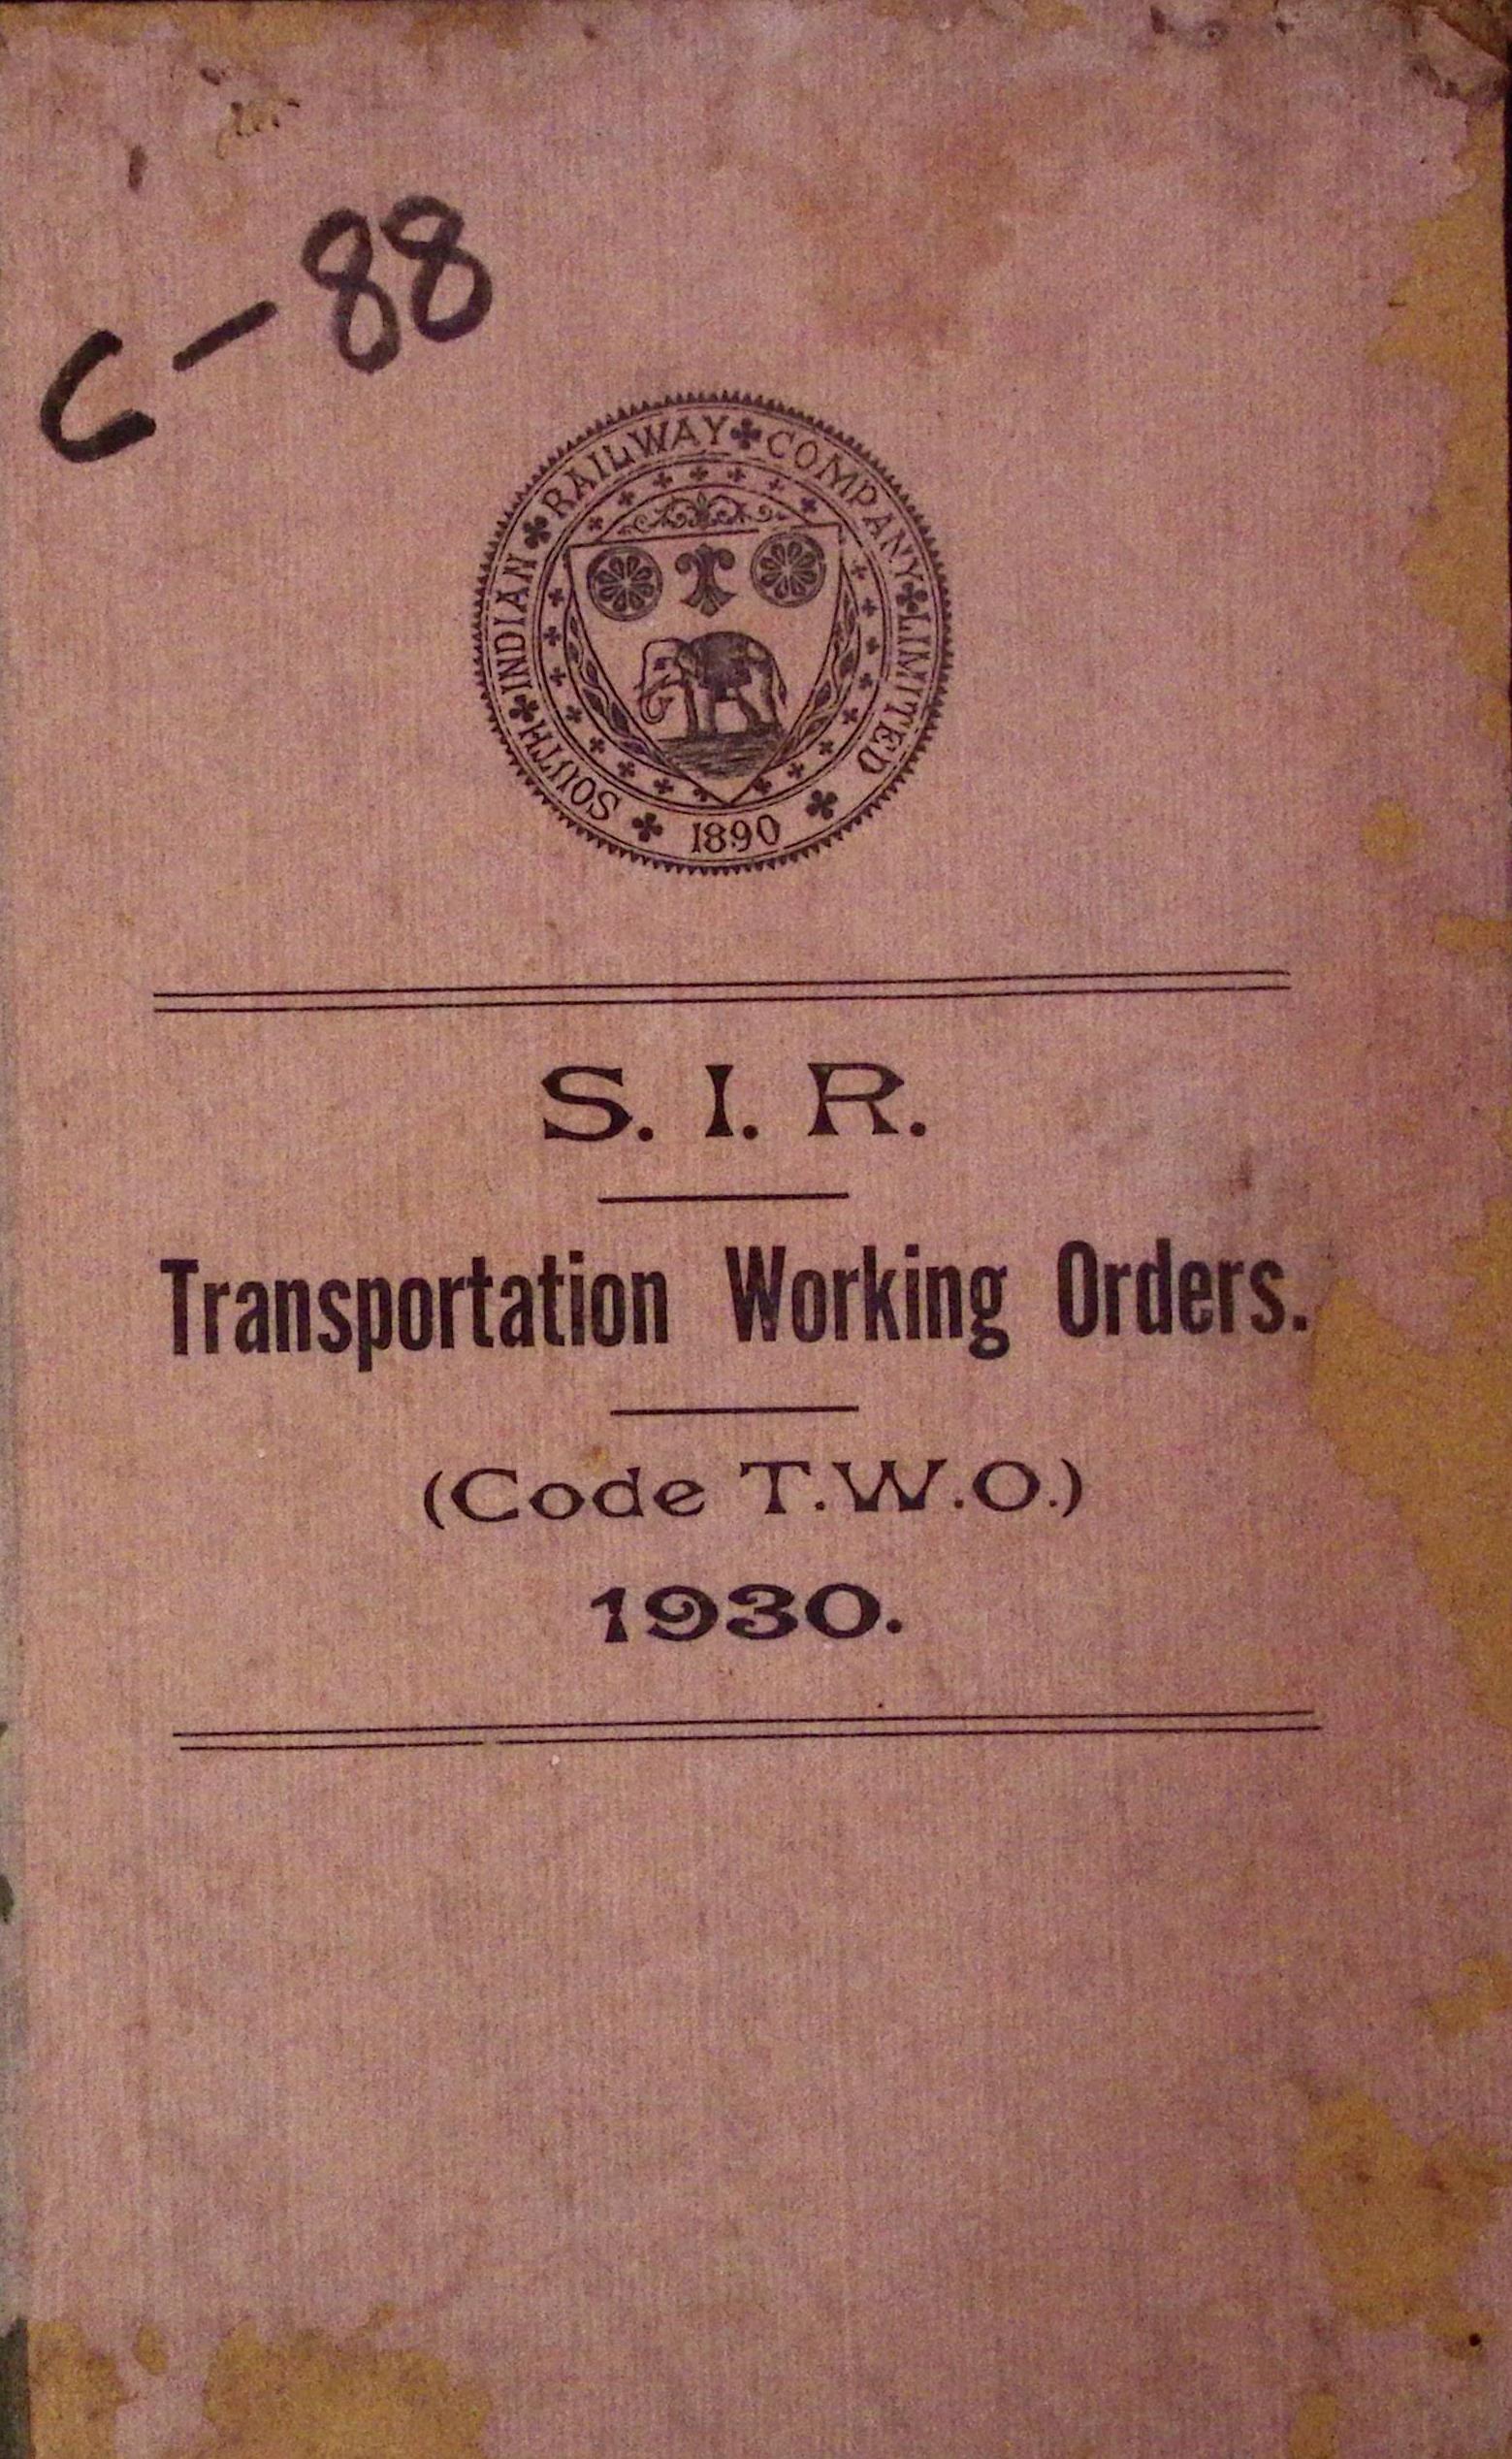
712,633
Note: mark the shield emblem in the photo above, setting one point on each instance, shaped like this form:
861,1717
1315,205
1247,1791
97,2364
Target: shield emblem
697,631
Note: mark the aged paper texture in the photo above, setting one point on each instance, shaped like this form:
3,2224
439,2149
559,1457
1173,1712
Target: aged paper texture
755,947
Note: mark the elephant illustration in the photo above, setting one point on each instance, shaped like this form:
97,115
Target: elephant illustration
716,667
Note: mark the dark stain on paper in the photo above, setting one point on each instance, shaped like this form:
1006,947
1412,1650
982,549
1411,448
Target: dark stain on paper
16,2441
900,222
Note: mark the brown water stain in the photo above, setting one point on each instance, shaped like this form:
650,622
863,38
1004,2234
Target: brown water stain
1394,2221
900,221
1392,834
1447,318
307,2395
313,2396
150,2350
1051,17
1430,1430
75,2394
1485,1990
1314,2429
241,34
1482,937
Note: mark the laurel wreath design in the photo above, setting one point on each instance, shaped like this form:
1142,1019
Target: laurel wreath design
835,676
594,689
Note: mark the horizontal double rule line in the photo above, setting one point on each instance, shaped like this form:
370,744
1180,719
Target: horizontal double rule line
944,1724
817,990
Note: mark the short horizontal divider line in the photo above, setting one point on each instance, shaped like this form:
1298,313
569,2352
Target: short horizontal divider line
1088,1724
748,1409
741,1195
786,991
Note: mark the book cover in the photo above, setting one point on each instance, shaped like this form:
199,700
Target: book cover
755,940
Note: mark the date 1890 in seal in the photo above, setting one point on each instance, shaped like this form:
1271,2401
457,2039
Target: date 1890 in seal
712,633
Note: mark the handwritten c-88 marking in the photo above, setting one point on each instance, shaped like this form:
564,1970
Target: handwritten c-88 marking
434,250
